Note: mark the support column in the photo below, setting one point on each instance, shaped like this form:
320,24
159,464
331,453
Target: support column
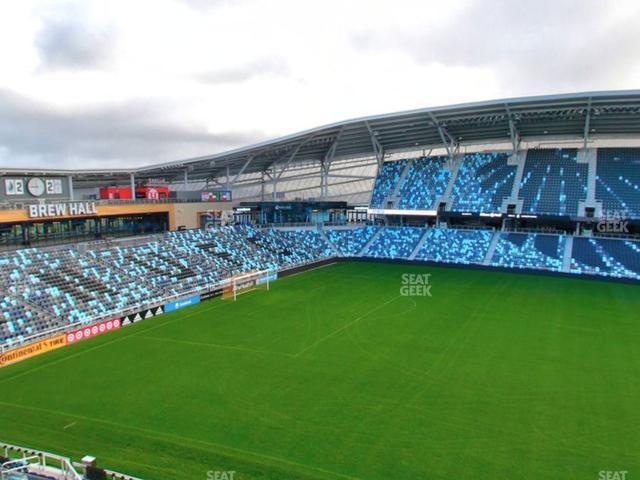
324,179
70,179
275,183
133,187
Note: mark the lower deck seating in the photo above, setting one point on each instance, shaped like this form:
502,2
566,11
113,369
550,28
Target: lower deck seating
45,289
350,242
600,256
455,246
394,242
537,251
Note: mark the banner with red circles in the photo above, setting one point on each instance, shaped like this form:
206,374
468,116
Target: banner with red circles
93,330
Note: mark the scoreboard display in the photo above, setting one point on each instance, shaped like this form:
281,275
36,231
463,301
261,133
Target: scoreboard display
25,188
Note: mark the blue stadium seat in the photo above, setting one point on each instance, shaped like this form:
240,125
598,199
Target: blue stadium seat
425,182
394,242
483,181
599,256
386,182
553,183
535,251
349,242
455,246
618,180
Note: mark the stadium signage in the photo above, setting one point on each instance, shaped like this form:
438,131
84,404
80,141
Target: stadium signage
22,353
141,315
395,211
182,303
93,331
62,209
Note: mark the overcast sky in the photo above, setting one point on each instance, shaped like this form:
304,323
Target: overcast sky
100,83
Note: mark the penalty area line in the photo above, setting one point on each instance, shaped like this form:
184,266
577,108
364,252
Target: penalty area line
344,327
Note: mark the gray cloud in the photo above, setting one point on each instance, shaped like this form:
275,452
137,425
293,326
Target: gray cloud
68,40
202,4
266,67
531,46
132,134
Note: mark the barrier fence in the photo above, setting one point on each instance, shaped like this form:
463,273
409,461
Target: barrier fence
16,461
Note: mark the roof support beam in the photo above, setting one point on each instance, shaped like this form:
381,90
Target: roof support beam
378,149
447,140
513,131
244,167
587,124
289,160
325,165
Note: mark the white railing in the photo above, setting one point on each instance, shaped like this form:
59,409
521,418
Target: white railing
25,461
22,459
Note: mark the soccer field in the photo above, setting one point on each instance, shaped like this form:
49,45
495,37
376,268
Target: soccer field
333,374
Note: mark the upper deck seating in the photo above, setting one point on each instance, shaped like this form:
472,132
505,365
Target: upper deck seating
553,182
483,181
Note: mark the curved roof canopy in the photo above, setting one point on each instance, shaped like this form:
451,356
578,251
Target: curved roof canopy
579,115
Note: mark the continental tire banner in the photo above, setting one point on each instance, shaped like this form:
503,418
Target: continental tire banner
22,353
93,330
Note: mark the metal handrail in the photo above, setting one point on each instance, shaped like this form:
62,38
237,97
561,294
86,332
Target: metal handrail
66,466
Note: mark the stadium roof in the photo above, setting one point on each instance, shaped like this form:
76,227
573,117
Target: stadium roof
579,115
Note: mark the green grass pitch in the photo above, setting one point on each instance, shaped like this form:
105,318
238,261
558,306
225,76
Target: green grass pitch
334,375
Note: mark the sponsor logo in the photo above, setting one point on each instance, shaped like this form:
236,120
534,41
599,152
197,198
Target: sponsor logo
93,331
141,315
182,303
62,209
22,353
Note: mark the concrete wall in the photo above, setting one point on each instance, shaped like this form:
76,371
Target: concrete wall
186,214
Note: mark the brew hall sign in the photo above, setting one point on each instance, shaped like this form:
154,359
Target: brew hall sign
73,209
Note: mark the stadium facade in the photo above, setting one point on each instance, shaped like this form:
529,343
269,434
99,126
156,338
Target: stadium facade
542,183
